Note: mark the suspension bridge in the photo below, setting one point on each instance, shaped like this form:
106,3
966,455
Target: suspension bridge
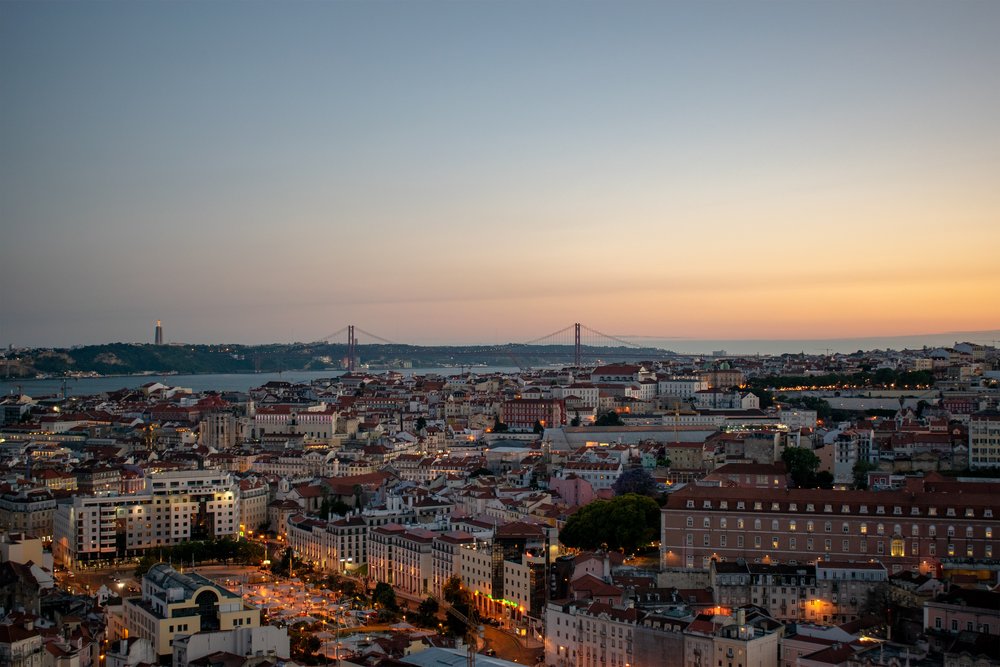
583,343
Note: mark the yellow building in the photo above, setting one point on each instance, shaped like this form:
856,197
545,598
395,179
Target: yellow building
174,604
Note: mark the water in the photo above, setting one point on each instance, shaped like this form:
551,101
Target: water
206,382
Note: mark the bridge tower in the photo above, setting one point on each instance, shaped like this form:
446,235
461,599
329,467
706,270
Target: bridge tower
576,345
352,348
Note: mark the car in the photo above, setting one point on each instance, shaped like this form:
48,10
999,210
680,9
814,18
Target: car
489,652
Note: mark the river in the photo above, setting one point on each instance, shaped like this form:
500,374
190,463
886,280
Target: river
210,381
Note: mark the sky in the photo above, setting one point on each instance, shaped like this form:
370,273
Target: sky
485,172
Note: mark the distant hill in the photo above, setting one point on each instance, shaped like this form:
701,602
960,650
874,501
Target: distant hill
130,358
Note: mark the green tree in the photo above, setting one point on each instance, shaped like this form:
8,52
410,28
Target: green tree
766,397
427,612
421,424
635,480
385,596
452,591
861,470
801,464
610,418
576,419
626,522
499,426
538,428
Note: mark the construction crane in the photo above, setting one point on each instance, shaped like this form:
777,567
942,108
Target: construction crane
473,631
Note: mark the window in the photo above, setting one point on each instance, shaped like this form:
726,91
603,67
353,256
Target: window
989,532
809,544
968,532
774,525
706,523
809,526
689,539
951,531
756,524
722,540
880,529
756,541
880,547
791,543
914,530
690,522
740,524
722,522
864,529
846,546
774,543
705,540
932,531
846,527
827,544
827,527
897,548
791,525
810,508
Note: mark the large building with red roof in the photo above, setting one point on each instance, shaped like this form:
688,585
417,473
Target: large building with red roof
914,528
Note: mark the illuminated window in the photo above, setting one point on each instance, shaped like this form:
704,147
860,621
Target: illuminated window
897,548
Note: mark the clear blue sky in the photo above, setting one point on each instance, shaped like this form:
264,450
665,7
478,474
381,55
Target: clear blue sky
492,171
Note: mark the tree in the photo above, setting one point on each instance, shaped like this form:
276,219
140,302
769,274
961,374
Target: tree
499,426
635,480
610,418
576,419
385,596
861,470
479,472
801,464
766,397
452,590
625,522
421,424
538,428
427,612
284,564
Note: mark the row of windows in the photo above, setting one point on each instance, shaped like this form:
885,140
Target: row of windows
845,527
758,506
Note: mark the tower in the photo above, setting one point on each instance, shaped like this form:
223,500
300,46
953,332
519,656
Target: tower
158,335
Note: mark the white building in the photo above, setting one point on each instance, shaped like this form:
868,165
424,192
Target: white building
175,507
984,439
264,641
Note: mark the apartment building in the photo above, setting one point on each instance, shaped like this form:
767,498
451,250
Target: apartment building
984,439
331,546
907,529
28,511
401,557
523,413
175,507
446,558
